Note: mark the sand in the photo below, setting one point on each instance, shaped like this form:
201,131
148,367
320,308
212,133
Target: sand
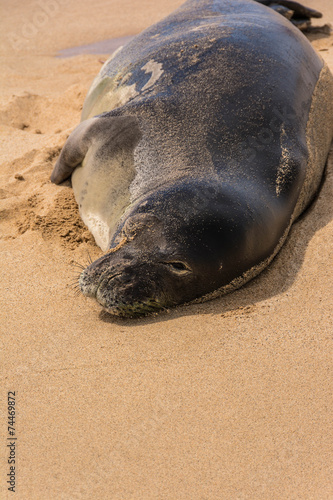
230,399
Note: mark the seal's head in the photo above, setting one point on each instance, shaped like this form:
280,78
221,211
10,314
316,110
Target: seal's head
174,246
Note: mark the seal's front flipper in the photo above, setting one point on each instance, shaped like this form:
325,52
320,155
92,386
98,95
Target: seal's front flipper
104,133
73,151
297,13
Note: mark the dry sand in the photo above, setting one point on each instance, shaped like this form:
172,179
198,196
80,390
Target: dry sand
230,399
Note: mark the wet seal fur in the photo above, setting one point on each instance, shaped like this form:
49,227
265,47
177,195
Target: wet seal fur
201,142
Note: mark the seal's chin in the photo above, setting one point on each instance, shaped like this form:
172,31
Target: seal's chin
133,310
127,308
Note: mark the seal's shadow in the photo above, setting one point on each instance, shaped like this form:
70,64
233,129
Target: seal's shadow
274,280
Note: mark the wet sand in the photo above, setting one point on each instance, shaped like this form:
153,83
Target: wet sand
103,47
230,399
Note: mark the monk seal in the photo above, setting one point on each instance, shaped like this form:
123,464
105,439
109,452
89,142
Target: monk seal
201,142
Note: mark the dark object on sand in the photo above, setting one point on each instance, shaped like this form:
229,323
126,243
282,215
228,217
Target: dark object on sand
212,131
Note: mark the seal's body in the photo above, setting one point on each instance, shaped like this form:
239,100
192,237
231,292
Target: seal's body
211,135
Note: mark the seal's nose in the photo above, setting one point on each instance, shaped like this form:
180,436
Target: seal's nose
87,286
102,269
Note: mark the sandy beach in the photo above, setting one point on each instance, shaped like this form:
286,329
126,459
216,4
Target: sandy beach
229,399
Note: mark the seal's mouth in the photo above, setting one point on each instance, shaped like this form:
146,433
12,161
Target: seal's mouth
106,290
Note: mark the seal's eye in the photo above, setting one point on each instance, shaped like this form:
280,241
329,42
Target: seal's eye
178,267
